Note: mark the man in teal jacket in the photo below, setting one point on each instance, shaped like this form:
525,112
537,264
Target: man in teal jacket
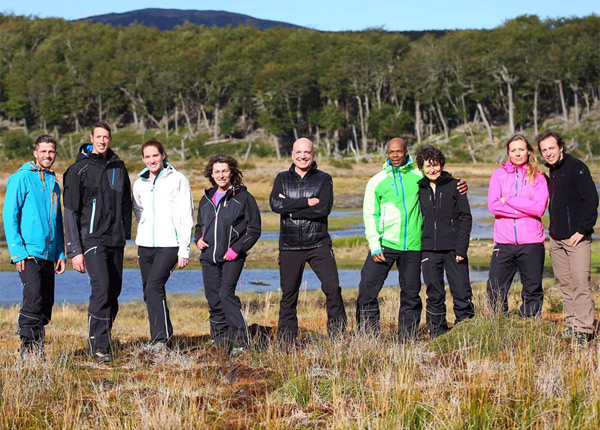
34,234
393,225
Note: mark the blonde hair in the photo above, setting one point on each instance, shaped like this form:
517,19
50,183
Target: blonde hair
532,166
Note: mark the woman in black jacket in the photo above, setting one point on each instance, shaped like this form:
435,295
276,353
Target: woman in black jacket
447,225
228,226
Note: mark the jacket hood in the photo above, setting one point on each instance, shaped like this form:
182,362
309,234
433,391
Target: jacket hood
167,170
509,167
404,168
31,166
444,178
85,151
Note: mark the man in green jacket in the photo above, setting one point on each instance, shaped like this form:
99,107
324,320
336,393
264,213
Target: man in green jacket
393,225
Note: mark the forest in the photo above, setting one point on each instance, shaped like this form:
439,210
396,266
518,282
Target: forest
348,91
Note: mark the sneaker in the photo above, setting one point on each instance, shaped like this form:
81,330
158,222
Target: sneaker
580,339
102,356
568,333
237,351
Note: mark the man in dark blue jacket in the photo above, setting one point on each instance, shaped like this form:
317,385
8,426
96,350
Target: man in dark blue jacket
303,196
573,213
34,234
97,224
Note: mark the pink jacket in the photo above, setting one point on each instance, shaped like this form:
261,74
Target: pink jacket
518,219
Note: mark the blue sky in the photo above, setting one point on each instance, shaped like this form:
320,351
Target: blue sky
334,15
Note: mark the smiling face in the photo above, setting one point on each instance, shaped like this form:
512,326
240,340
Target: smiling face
396,152
550,150
221,174
432,170
303,155
45,154
153,159
518,154
100,139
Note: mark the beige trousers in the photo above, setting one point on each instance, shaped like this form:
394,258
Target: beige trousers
571,266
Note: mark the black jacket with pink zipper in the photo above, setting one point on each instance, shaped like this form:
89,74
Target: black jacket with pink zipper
233,223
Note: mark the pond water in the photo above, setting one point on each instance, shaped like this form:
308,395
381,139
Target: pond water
73,287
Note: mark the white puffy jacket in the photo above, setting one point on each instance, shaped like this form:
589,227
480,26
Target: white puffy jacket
164,210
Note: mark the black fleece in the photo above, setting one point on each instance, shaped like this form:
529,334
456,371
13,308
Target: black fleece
447,216
573,199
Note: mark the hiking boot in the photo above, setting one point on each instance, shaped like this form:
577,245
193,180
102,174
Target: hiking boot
580,340
237,351
31,349
568,333
102,356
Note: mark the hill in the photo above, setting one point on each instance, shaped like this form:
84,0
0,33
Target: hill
168,19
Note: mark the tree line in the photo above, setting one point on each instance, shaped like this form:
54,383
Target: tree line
349,91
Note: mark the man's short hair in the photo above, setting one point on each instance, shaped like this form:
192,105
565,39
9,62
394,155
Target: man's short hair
45,138
551,133
430,153
102,124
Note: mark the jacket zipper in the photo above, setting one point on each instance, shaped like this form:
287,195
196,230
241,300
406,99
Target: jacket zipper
405,210
433,204
93,216
516,194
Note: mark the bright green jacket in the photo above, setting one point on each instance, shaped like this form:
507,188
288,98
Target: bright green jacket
391,210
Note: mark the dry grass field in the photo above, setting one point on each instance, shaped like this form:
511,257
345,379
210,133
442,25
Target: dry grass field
490,372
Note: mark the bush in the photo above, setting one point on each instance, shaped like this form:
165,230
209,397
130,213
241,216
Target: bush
16,144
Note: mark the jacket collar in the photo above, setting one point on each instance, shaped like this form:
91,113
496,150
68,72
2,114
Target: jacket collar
444,178
559,164
312,169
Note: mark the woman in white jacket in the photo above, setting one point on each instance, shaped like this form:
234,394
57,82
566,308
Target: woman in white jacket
163,206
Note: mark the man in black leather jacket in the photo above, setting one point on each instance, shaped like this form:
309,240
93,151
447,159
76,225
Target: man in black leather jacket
303,196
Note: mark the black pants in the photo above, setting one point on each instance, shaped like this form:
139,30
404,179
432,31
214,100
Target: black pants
156,265
38,298
291,268
529,260
227,323
105,268
372,277
433,266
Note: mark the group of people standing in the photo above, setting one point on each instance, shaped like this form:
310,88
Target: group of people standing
518,196
416,217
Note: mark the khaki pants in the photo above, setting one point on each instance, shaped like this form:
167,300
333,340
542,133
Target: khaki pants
571,266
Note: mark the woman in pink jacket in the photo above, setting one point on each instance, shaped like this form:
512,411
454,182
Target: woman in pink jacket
517,196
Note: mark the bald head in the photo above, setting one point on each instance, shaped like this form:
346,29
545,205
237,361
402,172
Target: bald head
396,152
396,141
304,143
303,155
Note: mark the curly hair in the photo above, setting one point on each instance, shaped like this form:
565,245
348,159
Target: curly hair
430,153
236,173
532,166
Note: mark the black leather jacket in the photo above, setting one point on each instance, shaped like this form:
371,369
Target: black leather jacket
302,226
